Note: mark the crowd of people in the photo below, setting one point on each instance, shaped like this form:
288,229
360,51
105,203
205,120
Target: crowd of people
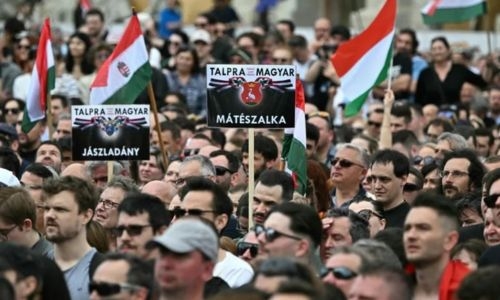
401,202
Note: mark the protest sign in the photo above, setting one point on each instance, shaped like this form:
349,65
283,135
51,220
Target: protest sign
251,96
110,132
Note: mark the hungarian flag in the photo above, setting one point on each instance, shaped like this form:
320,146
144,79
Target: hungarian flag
294,143
452,11
126,72
43,79
85,5
363,62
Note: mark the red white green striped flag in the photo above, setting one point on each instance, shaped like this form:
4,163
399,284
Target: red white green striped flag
85,5
43,79
126,72
363,62
294,143
452,11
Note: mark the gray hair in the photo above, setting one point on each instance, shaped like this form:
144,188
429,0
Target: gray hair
65,116
378,255
455,140
124,183
207,168
91,165
363,156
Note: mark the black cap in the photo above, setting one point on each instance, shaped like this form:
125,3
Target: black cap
8,130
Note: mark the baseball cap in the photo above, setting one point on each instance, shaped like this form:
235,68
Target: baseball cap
187,235
201,35
8,130
8,178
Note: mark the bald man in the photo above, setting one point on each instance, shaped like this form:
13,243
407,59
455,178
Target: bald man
76,170
161,189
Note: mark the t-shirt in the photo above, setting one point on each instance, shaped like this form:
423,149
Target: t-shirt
396,216
401,65
77,277
236,272
43,247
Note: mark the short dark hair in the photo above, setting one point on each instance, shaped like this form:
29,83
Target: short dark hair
419,177
312,133
341,30
232,161
442,206
402,111
471,200
39,170
174,129
400,287
263,145
475,247
476,169
16,205
289,23
490,178
96,12
481,284
139,203
377,205
400,163
53,143
440,122
303,220
359,227
140,271
84,192
221,203
296,286
441,39
485,132
405,137
273,177
63,98
9,160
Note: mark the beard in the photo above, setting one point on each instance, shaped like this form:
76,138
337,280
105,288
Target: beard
61,235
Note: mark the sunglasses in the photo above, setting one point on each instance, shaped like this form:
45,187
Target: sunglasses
339,273
189,152
426,160
374,124
220,170
271,234
243,247
132,230
180,212
491,200
410,187
105,289
14,111
344,163
26,47
368,213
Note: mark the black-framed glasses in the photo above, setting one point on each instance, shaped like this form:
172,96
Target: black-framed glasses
344,163
190,152
271,234
108,204
453,174
132,230
220,170
243,247
374,124
368,213
14,111
106,289
491,200
339,273
4,232
181,212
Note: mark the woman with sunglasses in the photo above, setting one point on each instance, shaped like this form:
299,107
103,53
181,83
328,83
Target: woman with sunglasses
11,109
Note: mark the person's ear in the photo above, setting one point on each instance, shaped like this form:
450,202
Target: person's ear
221,221
27,225
303,248
26,287
451,240
87,215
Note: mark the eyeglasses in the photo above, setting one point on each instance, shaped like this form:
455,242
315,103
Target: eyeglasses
271,234
14,111
243,247
132,230
367,214
220,170
339,273
180,212
453,174
4,232
410,187
426,160
280,60
189,152
108,204
105,289
344,163
491,200
200,25
374,124
100,179
25,47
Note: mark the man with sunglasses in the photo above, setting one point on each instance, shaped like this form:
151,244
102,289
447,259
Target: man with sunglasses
348,169
389,171
141,217
291,230
343,266
226,168
204,198
122,276
462,173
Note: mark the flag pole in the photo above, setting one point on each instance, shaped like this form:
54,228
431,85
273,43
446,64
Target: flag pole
152,102
49,116
389,73
251,172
